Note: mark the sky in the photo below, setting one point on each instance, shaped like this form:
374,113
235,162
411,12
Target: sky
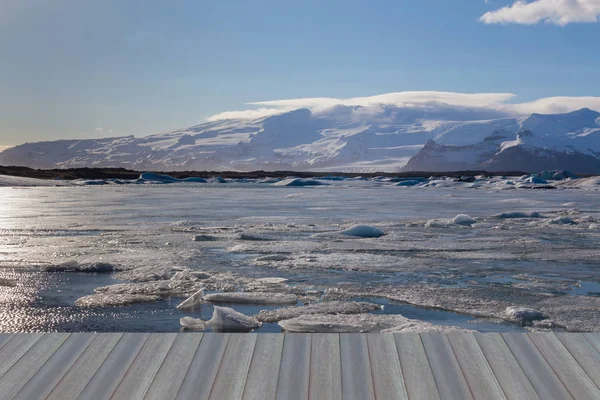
84,69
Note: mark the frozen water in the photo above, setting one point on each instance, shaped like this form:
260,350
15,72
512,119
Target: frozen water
524,315
226,319
192,301
462,219
145,236
252,298
299,182
329,307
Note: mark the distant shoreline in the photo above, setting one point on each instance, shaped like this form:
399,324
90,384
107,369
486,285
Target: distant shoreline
122,173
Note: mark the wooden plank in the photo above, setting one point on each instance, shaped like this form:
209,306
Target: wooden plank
108,376
583,352
85,367
475,368
418,377
21,372
172,372
573,377
48,376
543,379
142,371
233,371
448,376
261,383
5,338
325,367
294,373
388,382
508,372
14,349
357,379
594,339
204,367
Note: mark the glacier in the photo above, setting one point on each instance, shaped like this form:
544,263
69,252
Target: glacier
343,138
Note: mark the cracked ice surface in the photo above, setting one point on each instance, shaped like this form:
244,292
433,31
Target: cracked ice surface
121,245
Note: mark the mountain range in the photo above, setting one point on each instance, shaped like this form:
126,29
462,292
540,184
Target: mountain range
344,138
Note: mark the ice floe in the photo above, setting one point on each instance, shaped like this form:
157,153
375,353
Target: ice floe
74,266
462,219
252,298
158,288
113,299
354,323
205,238
145,274
329,307
518,214
192,324
562,221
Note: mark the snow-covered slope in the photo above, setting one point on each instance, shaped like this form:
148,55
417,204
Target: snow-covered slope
543,142
344,138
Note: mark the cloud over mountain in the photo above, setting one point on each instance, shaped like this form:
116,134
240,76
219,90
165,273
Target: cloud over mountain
558,12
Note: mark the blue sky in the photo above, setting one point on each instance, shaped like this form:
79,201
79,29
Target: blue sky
68,67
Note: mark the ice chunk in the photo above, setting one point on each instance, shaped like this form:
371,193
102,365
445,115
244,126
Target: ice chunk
524,315
272,280
154,177
193,324
518,214
563,221
192,301
272,257
205,238
74,266
145,274
226,319
436,223
364,231
193,179
245,236
113,300
462,219
535,180
299,182
252,298
330,307
408,183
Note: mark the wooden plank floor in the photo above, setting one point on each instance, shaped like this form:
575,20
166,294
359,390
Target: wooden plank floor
299,366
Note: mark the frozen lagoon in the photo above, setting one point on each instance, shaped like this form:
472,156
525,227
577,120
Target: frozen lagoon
424,267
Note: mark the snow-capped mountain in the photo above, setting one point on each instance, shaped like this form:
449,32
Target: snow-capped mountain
342,138
542,142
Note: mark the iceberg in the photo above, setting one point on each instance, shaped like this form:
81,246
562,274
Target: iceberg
224,319
299,182
462,219
363,231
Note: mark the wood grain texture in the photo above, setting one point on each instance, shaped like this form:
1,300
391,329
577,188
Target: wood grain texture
83,370
448,375
261,383
508,372
543,379
586,355
325,367
388,382
112,370
5,337
294,372
172,372
357,379
233,371
418,376
55,368
14,349
478,373
594,339
201,375
573,377
28,365
142,371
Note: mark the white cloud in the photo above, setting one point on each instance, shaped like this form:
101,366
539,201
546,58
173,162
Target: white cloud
558,12
499,102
